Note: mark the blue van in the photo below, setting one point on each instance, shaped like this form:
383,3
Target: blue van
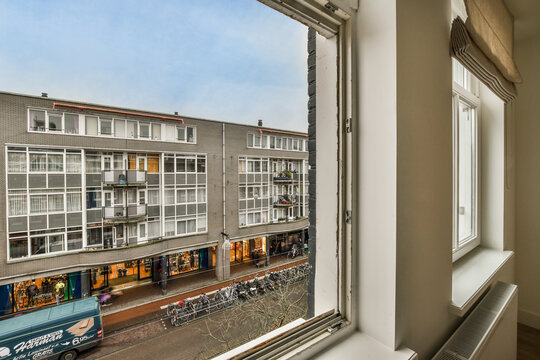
59,332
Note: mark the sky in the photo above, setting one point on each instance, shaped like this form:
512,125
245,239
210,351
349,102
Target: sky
228,60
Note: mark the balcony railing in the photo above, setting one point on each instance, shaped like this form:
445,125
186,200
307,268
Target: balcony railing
123,177
124,213
284,200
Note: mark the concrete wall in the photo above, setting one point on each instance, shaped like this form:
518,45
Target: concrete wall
527,123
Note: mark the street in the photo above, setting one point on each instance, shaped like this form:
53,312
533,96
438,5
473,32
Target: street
208,336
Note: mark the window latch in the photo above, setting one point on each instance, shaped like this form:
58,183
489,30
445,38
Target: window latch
348,216
335,327
348,125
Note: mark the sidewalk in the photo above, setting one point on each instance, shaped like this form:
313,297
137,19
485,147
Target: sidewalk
142,303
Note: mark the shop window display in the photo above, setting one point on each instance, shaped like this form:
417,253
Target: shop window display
45,291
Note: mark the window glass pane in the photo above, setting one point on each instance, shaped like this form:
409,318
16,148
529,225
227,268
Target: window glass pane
55,162
144,130
38,204
18,248
106,126
201,165
132,129
201,223
180,133
74,241
181,227
201,195
191,195
37,120
93,199
56,243
190,165
257,141
466,171
169,197
191,226
93,164
272,142
169,228
17,205
241,166
190,134
91,125
153,197
264,141
131,196
169,164
71,123
55,122
278,143
37,245
250,140
93,237
156,131
73,201
180,165
181,197
119,128
142,230
153,165
38,162
154,229
56,202
73,163
16,162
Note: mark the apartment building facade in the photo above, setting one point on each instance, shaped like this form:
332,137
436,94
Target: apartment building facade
98,197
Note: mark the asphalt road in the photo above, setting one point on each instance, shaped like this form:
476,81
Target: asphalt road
202,338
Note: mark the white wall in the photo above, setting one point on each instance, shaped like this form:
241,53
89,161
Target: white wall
527,115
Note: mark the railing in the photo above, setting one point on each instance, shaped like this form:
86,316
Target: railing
284,200
123,177
124,213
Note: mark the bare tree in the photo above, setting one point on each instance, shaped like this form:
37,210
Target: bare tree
257,316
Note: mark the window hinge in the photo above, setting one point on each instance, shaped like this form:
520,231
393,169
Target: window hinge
331,7
348,125
348,216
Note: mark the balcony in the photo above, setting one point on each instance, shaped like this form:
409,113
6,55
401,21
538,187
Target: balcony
121,213
284,201
123,177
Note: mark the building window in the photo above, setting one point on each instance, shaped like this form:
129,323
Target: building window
55,162
37,120
466,161
93,164
156,131
91,125
55,122
18,247
16,162
17,204
144,130
56,203
105,126
38,163
132,129
73,202
73,163
71,124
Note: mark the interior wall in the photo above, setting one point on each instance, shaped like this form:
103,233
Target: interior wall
424,186
527,123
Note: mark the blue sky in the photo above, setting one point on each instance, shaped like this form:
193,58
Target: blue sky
230,60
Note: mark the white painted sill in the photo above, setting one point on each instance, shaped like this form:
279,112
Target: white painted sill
473,274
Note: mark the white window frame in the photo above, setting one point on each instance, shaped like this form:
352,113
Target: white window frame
470,97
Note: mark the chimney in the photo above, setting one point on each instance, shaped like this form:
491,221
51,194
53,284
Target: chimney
176,113
44,94
259,123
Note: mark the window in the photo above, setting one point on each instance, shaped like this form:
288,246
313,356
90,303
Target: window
38,163
74,241
190,165
144,130
55,163
180,133
38,245
190,134
466,161
153,197
38,204
154,229
119,128
73,163
73,202
56,203
105,126
93,164
36,120
201,165
156,131
169,197
71,123
93,199
250,140
17,204
91,125
93,237
16,162
18,247
132,129
56,243
55,122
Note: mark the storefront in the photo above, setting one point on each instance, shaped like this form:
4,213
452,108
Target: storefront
39,292
121,275
248,250
192,260
281,244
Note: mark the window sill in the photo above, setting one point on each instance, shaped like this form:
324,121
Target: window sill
473,274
